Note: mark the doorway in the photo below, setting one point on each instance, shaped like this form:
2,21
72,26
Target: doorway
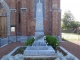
3,26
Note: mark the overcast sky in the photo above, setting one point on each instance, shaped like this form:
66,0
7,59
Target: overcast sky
73,6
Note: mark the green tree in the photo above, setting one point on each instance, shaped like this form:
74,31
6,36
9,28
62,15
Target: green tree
68,21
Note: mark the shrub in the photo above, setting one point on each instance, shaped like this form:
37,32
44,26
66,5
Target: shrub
29,42
52,41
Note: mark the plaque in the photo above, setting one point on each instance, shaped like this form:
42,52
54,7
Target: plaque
12,29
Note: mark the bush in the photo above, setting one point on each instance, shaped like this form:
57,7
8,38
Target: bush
52,41
29,42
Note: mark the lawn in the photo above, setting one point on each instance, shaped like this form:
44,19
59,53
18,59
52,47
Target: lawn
71,36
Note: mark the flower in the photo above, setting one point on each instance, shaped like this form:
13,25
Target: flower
70,57
16,57
5,57
67,57
19,57
59,54
11,58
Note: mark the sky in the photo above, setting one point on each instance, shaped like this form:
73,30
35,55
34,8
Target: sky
73,6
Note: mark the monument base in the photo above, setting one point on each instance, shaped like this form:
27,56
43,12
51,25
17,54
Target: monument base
39,51
39,57
39,48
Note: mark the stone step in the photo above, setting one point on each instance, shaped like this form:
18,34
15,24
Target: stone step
38,57
39,51
37,48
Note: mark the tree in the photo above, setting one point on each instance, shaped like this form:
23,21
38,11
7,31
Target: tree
68,21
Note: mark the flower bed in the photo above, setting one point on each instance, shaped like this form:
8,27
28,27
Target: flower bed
62,54
19,51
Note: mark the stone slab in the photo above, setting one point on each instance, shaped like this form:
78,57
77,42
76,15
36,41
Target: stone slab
40,56
39,50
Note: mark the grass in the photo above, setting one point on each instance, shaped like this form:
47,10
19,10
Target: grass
71,36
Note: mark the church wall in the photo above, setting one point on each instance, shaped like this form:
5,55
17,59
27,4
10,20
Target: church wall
27,26
56,17
12,7
46,19
23,18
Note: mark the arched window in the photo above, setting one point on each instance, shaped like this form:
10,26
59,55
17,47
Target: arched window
2,10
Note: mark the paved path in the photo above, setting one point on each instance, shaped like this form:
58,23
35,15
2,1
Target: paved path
73,48
7,49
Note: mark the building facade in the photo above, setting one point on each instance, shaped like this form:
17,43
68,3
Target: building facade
17,17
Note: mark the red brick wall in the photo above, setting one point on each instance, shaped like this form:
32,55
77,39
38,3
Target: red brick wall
56,18
12,5
51,20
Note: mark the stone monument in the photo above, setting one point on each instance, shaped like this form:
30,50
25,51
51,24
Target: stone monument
39,20
39,47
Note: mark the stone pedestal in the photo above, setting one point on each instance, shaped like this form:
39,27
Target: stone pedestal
39,51
39,48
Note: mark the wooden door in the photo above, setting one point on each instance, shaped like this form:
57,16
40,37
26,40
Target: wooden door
3,26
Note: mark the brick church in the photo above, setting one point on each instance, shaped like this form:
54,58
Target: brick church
17,17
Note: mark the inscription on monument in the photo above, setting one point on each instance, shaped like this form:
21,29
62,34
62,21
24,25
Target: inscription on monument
39,25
